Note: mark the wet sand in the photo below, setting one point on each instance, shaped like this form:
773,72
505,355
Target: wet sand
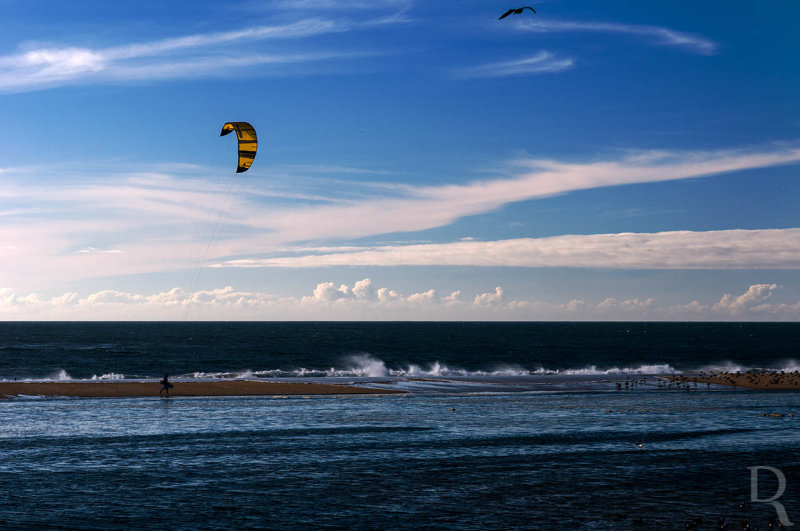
755,380
218,388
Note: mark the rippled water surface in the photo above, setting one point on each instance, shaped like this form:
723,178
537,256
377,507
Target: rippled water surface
461,461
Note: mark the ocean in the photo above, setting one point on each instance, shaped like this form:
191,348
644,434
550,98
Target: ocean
502,426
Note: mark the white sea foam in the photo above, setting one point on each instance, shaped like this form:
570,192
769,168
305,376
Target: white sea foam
509,370
642,369
786,366
227,375
109,376
368,366
61,376
791,366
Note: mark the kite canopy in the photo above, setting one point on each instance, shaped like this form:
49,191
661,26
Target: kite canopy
248,142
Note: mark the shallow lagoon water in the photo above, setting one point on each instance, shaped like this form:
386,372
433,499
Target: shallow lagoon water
463,461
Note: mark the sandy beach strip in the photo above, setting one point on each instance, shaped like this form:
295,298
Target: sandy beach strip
780,380
205,388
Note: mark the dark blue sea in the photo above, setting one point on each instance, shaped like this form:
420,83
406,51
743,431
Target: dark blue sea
502,426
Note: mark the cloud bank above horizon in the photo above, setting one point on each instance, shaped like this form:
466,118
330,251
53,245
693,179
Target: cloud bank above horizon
363,301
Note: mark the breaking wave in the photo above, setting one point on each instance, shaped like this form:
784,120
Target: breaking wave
368,366
109,376
365,366
60,376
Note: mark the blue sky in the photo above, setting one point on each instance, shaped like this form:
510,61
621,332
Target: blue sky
417,160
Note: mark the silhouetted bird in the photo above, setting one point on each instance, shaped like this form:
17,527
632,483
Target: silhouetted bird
517,11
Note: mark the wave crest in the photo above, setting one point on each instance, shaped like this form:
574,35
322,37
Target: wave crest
365,365
109,376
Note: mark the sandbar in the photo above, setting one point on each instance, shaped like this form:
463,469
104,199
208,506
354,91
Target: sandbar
779,380
204,388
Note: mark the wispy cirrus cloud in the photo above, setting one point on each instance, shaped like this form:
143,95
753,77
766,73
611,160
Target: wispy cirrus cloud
160,221
657,34
208,54
318,5
426,207
398,9
541,63
725,249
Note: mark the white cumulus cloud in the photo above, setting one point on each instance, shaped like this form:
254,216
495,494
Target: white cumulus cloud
755,296
330,301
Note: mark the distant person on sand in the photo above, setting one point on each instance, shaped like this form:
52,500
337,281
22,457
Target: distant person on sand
165,385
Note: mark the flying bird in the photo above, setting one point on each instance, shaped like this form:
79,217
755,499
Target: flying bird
517,11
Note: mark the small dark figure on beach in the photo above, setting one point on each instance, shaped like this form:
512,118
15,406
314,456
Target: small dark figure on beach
516,11
165,385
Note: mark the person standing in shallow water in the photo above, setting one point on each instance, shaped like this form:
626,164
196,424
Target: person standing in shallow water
165,385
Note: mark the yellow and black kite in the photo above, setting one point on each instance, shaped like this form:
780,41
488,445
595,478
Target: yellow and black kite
248,143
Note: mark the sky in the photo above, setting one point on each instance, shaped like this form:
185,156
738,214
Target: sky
617,160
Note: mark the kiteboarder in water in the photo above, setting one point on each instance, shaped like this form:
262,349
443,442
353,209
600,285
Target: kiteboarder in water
165,385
